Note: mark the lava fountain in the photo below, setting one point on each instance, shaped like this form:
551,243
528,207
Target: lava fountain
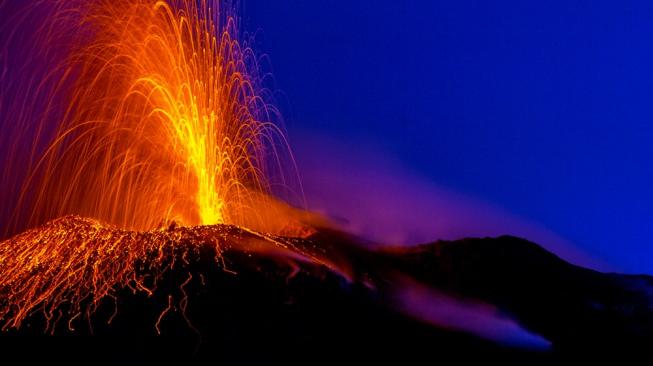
136,113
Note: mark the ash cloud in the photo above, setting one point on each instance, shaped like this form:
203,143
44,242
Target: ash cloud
370,194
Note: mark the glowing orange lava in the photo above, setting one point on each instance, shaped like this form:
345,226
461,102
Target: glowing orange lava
160,116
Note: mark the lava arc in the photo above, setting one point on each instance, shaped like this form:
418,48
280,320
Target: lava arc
136,113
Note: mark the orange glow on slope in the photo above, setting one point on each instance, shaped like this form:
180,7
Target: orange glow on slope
70,266
164,119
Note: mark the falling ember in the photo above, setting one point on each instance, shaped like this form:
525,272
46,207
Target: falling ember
148,112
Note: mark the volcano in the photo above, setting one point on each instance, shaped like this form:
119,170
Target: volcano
323,298
155,123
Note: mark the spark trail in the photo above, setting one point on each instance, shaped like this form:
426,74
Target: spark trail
137,113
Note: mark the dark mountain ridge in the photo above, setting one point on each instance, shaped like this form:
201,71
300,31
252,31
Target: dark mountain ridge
269,307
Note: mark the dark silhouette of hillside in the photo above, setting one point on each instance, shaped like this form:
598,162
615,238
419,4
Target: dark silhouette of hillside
263,309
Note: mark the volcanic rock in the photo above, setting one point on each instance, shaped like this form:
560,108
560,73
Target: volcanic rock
328,299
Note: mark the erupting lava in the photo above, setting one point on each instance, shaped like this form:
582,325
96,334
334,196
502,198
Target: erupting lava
137,114
147,112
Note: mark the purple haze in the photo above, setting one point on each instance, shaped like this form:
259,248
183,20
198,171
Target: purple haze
370,194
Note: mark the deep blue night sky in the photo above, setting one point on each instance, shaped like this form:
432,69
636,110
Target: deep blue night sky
541,108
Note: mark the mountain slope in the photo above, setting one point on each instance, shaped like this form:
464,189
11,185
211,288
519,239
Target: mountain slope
327,299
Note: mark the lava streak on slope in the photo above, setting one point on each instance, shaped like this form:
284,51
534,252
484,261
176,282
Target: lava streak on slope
68,267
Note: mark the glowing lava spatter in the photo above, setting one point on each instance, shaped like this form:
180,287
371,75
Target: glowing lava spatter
147,112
